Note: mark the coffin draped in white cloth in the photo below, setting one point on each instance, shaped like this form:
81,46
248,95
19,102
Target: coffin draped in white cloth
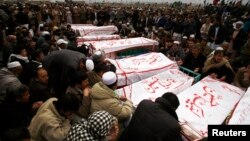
89,30
207,102
241,114
134,69
81,40
78,27
110,46
171,80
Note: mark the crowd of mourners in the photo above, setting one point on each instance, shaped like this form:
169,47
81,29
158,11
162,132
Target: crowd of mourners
51,89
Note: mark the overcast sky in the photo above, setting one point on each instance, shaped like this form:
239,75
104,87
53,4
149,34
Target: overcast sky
154,1
147,1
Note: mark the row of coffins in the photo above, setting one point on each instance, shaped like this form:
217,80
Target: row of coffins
207,102
103,38
149,76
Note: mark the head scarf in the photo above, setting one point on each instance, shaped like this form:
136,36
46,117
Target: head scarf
95,129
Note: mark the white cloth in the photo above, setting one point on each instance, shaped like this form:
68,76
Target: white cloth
13,65
109,78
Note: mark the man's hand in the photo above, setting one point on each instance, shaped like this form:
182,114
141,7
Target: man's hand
196,70
213,75
86,91
36,105
122,98
180,62
223,78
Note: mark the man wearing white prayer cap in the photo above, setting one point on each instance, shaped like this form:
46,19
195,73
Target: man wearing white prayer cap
98,56
89,65
13,65
8,77
192,36
176,42
61,44
103,97
109,78
45,33
212,53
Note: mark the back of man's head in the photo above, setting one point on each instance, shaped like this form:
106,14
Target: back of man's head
172,99
67,103
77,78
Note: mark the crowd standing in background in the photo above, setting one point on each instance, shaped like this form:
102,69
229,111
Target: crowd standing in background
51,89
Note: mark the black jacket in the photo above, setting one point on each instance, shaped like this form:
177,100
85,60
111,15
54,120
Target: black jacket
191,62
14,115
153,121
239,40
39,92
60,65
221,34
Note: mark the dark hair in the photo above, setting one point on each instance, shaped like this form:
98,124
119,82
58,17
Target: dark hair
36,54
34,39
83,60
37,70
172,99
68,26
112,85
169,102
77,78
217,18
41,28
47,37
111,67
83,49
101,67
14,92
67,102
18,48
16,134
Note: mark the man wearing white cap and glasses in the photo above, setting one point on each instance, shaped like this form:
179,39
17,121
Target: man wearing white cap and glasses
104,98
8,76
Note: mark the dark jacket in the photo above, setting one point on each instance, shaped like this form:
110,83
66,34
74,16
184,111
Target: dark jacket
221,35
60,65
153,121
239,40
93,78
14,115
85,101
39,92
7,78
26,74
191,62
